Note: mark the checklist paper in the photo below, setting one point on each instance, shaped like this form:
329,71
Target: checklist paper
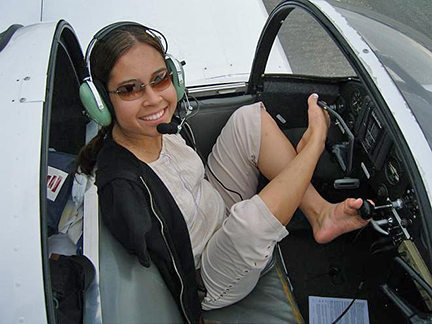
325,310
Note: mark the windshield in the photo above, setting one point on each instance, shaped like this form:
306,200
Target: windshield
308,48
407,56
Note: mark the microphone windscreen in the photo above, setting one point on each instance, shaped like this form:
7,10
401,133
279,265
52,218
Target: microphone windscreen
167,128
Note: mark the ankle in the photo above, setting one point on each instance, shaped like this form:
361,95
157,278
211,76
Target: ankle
322,220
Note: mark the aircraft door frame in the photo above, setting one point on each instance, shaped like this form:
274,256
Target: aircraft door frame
65,53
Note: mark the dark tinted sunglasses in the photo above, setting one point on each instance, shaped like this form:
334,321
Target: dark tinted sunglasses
135,90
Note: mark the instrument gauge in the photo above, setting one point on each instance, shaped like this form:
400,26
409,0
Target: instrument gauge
393,170
356,102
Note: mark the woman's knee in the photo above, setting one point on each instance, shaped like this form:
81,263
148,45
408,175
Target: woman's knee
247,115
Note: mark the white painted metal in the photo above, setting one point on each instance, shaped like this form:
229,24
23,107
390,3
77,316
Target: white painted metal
399,108
22,12
217,39
23,66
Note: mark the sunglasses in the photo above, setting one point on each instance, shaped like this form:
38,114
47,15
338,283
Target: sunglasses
135,90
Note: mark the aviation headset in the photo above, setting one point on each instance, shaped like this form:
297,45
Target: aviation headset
93,94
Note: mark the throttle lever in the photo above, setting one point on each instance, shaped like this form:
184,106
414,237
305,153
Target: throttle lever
367,210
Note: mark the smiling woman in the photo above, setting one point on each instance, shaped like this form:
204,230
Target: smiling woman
137,117
154,191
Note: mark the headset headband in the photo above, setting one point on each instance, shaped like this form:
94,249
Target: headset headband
101,34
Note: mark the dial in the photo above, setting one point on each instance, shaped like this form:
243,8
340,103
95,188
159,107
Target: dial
393,170
356,102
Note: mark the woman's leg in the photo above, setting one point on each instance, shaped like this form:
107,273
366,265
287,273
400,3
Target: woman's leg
237,253
290,173
234,258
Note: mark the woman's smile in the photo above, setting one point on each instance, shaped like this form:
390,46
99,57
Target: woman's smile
154,117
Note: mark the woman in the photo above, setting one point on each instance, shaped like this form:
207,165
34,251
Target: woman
153,190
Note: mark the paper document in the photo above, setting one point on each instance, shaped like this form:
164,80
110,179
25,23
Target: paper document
325,310
55,180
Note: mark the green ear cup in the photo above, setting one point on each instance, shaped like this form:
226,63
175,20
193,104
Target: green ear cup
178,77
101,115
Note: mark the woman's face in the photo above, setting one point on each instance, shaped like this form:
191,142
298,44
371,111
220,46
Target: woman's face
142,64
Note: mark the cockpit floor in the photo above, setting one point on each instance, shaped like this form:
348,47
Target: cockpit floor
336,269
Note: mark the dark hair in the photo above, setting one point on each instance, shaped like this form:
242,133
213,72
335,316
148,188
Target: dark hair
104,55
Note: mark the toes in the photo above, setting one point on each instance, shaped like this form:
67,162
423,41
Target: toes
313,99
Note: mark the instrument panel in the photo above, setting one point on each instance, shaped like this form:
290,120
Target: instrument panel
376,156
377,161
379,165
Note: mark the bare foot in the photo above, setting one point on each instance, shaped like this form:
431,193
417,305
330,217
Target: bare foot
339,219
303,141
319,122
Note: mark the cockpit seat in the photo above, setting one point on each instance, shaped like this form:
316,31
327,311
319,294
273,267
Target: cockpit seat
131,293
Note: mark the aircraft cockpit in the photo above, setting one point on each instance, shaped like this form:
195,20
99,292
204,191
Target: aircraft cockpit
378,149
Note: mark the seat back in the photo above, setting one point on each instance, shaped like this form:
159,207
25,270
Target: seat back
131,293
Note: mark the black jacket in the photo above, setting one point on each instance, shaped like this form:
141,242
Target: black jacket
142,215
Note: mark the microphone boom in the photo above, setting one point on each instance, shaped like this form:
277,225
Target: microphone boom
168,128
